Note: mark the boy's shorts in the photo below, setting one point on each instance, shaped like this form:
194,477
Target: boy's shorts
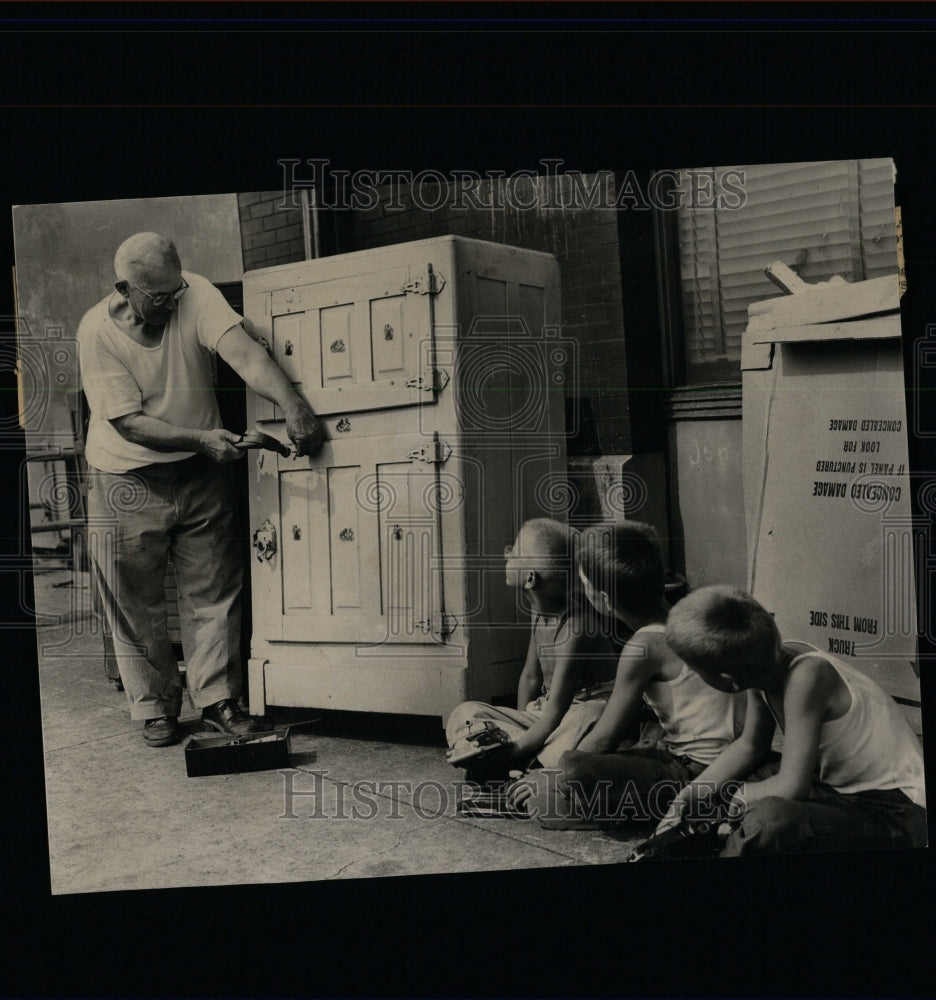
589,790
829,821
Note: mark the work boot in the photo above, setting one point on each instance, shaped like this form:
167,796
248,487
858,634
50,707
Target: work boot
161,732
228,717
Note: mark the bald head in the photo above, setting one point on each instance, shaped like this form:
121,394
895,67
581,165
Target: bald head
146,258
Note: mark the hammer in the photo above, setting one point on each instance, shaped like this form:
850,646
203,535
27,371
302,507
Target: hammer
257,439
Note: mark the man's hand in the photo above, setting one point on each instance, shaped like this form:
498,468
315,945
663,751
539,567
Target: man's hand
219,445
305,430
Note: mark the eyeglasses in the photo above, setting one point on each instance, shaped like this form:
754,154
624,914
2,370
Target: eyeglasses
160,298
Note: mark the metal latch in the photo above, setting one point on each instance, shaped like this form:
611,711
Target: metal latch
264,541
440,623
428,283
434,454
438,379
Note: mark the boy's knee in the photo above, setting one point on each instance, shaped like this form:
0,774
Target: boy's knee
466,712
573,767
550,802
768,825
771,813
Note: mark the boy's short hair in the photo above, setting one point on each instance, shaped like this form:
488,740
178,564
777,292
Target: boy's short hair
625,561
548,547
723,630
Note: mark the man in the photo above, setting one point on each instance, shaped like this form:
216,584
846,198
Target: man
160,485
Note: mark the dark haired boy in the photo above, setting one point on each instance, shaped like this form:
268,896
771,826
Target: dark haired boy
621,569
851,772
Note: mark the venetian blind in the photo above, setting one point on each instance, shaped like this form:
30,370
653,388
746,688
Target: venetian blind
821,219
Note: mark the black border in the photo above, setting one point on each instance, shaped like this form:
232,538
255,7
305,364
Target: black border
98,109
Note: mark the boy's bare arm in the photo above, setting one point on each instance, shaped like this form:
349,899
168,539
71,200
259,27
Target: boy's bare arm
531,677
737,760
639,663
806,700
566,680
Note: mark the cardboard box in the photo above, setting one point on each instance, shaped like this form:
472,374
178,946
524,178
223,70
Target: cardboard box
264,751
831,533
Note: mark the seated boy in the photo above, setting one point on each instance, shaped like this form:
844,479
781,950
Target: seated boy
621,568
569,663
851,771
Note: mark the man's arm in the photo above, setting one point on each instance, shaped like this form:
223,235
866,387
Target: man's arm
265,377
737,760
151,432
636,669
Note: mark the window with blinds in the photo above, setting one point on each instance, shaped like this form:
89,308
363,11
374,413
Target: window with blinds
820,219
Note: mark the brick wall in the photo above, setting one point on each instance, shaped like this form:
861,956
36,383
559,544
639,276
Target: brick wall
586,241
268,236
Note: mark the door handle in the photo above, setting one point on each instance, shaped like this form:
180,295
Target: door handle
264,541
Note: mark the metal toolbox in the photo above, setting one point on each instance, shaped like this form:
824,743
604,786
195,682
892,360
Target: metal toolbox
264,751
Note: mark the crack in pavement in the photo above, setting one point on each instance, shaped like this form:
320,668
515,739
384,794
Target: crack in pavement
373,854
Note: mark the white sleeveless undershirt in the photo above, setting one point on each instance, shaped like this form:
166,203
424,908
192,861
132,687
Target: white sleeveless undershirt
698,721
870,747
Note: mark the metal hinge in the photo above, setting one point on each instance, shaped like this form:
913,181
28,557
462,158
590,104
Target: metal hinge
438,379
428,283
440,623
435,453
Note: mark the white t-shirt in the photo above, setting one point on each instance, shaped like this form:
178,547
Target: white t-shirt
171,382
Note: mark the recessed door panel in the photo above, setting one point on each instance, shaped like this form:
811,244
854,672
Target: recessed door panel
288,337
335,345
408,526
305,550
389,338
350,546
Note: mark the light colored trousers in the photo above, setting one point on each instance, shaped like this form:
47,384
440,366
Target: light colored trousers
582,715
136,521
